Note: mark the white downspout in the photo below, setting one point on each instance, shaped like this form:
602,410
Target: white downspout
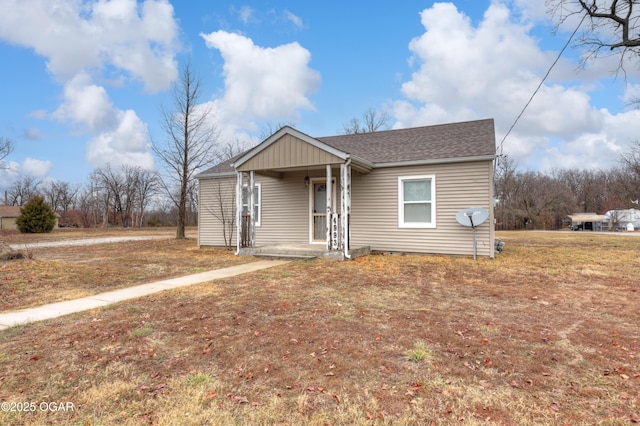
345,191
329,209
238,211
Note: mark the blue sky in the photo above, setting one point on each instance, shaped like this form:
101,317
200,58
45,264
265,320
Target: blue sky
83,81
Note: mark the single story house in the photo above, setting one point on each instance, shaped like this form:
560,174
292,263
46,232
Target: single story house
388,191
8,216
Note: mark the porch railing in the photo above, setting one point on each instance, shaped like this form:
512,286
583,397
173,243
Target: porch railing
245,239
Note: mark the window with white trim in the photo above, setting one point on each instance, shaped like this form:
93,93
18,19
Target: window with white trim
256,202
417,201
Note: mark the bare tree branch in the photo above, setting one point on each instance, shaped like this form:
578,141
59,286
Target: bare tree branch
6,148
190,144
371,121
613,27
21,191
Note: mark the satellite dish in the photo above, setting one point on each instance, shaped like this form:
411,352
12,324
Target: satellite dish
472,217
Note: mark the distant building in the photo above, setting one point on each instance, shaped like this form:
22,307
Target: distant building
622,218
585,221
8,216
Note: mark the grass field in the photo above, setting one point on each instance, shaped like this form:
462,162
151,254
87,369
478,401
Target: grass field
53,274
547,333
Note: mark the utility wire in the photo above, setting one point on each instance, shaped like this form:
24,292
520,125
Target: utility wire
540,85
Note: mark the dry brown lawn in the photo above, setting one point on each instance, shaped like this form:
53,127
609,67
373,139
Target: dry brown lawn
53,274
547,333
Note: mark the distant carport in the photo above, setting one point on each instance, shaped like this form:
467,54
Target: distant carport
585,221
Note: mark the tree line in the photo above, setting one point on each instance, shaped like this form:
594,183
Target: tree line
536,200
126,196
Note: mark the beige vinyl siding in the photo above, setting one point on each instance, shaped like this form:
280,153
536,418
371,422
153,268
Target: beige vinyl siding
285,205
285,208
289,152
8,224
214,193
286,216
374,213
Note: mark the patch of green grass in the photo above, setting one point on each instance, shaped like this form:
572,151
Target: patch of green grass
198,379
142,331
11,332
420,352
489,330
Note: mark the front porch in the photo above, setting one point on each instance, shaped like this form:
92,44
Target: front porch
301,251
293,198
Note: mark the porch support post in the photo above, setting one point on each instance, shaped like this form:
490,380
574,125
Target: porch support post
239,177
345,206
252,203
328,217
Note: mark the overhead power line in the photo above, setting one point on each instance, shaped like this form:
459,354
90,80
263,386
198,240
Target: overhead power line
539,85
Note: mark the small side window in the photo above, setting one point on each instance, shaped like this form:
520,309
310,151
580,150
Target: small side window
416,201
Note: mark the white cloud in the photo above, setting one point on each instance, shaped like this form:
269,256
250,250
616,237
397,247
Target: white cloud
127,143
36,168
595,150
77,36
8,176
120,137
83,41
246,14
294,19
86,103
260,83
467,72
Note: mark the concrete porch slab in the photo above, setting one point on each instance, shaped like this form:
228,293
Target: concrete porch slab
301,251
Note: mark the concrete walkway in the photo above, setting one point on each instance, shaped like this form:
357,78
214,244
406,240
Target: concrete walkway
54,310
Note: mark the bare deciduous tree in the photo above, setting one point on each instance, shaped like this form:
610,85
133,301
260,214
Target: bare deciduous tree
148,185
611,26
6,148
21,191
61,196
127,191
271,127
371,121
629,178
190,143
117,191
92,204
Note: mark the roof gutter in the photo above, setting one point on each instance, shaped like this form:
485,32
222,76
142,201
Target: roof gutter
490,157
360,163
365,165
215,175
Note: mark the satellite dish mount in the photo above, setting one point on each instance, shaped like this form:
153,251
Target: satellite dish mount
473,217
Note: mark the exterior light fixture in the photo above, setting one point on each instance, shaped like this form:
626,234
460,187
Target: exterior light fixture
306,181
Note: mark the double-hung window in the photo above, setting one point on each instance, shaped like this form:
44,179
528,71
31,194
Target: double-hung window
256,202
417,201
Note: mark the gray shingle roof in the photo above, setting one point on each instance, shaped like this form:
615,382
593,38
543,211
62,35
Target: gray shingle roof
442,141
467,139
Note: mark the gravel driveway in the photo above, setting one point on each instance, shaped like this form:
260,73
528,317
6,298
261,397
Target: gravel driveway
82,242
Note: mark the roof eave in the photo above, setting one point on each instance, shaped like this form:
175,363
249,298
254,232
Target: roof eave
360,164
215,175
427,162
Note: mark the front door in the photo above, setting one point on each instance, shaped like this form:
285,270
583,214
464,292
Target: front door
319,209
